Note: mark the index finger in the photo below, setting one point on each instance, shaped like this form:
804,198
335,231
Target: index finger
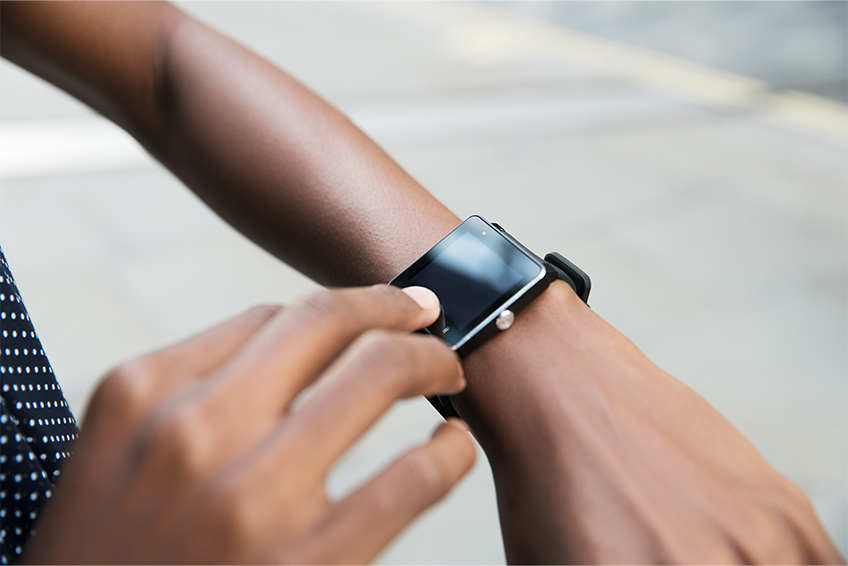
291,350
305,338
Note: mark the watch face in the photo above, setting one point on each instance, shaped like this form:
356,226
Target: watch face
476,272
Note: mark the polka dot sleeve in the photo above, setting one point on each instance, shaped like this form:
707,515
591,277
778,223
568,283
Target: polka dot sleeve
36,426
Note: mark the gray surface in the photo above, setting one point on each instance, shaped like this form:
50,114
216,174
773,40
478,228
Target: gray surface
716,240
790,45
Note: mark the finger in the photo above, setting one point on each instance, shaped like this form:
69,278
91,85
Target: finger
133,392
426,299
235,409
201,354
377,370
367,520
135,387
294,348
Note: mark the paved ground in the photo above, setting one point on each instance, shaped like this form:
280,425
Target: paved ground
790,45
708,207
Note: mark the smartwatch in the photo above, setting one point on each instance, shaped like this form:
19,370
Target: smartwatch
483,278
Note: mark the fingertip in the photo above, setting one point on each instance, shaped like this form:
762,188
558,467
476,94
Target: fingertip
459,423
462,381
456,439
425,298
459,383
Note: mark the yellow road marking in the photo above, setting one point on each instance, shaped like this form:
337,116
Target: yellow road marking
484,35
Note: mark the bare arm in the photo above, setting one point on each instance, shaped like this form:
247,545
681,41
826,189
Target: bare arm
262,150
598,455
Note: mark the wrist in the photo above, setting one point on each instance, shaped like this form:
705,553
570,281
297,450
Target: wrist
547,377
523,396
512,391
544,404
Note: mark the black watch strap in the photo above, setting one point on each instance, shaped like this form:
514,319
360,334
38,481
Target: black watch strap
571,274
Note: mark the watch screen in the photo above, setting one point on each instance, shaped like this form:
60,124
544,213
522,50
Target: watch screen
468,277
474,271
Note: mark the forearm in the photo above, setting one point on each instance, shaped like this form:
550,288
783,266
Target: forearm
267,154
287,169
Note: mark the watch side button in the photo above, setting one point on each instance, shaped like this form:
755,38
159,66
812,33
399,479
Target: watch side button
505,320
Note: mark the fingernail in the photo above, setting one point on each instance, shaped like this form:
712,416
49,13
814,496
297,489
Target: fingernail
425,298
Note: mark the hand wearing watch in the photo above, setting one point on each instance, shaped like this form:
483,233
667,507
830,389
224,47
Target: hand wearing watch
483,278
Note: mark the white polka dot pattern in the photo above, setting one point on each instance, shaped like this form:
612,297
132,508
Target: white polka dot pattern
36,426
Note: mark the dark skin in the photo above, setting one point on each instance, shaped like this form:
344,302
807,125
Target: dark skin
193,454
597,454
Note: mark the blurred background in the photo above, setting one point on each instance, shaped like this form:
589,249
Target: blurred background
691,157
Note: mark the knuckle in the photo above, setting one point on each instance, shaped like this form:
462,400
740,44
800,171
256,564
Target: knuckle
781,500
426,475
264,313
388,292
126,390
322,305
353,309
177,444
409,363
382,504
770,521
763,538
385,345
387,355
793,507
794,498
397,308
